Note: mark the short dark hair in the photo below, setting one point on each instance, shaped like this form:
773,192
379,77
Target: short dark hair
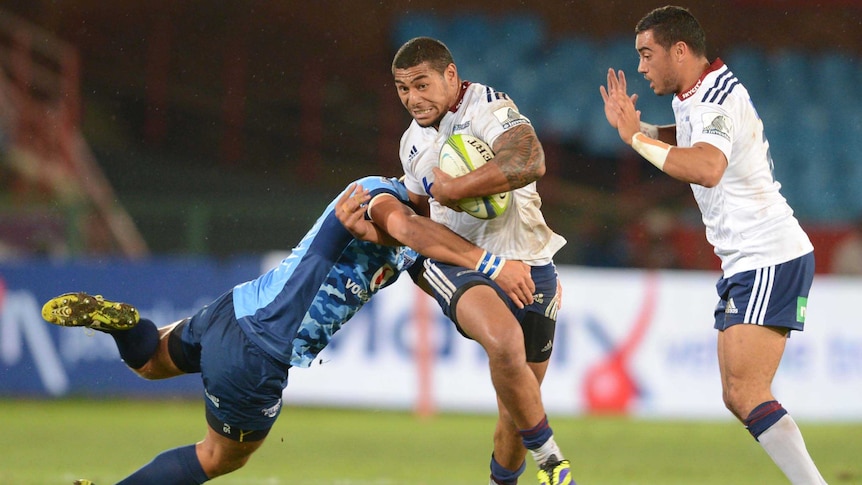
672,24
423,49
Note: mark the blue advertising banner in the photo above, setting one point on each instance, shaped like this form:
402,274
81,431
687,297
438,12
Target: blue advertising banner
38,359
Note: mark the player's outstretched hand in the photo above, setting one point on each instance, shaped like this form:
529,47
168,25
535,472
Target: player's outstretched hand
515,279
350,211
619,106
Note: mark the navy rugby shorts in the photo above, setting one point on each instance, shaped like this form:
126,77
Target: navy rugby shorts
538,320
242,384
775,296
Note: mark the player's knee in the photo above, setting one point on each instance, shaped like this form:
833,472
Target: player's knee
736,400
218,461
226,465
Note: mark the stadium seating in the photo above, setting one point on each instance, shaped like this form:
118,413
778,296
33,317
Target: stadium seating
814,127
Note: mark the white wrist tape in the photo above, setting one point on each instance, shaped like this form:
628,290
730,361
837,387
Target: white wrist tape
654,151
490,264
649,130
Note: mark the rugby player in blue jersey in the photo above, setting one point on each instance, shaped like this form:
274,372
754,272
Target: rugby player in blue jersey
244,342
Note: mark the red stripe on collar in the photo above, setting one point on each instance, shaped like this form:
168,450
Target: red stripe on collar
464,86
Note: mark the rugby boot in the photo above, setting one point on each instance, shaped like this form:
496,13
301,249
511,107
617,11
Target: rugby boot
83,310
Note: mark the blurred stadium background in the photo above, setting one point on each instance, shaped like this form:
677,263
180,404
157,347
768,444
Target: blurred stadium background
163,151
202,120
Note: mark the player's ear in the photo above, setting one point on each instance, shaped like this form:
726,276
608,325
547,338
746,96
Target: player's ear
679,51
451,73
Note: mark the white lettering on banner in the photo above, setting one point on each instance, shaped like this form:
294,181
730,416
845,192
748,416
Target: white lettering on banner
20,322
692,356
23,329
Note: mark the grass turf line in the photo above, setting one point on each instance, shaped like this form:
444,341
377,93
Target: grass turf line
55,442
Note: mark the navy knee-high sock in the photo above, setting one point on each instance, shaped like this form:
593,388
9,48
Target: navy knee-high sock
503,476
179,466
137,344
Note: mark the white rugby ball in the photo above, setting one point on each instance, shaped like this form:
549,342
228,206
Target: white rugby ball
461,154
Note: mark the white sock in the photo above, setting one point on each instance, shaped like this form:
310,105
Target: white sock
784,444
546,451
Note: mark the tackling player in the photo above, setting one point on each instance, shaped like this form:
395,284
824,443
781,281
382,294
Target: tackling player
717,145
244,343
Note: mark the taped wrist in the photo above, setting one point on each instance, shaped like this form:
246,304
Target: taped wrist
649,130
490,264
654,151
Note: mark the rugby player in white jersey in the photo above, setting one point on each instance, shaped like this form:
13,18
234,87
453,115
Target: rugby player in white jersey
717,145
518,341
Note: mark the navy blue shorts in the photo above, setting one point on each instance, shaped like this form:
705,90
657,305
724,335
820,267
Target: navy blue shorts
538,320
242,384
774,296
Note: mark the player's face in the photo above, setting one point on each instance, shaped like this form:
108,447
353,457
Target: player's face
656,64
426,93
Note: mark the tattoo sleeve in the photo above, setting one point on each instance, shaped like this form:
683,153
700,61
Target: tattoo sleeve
520,156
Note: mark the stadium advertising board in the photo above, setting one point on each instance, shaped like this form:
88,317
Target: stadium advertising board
628,341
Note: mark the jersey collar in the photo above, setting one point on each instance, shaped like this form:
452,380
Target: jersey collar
716,65
464,86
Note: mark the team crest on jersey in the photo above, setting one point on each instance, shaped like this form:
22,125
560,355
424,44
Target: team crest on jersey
508,117
381,276
717,124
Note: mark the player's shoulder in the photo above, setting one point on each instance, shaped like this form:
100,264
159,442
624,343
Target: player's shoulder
722,87
483,94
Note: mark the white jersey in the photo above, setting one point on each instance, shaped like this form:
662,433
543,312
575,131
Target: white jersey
748,221
519,233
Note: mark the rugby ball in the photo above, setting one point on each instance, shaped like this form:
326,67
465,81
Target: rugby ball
461,154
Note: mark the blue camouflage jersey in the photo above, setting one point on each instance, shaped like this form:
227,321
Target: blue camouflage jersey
293,310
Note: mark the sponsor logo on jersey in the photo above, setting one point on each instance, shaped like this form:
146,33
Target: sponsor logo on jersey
427,185
717,124
356,290
801,307
691,91
508,117
461,126
381,276
413,152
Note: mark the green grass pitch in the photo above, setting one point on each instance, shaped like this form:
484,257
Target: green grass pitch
55,442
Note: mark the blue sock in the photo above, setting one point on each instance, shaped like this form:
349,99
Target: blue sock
179,466
536,436
764,416
504,476
137,344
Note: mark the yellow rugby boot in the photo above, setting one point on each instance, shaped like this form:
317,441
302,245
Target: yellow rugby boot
83,310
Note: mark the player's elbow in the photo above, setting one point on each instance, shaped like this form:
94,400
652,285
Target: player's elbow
536,163
711,177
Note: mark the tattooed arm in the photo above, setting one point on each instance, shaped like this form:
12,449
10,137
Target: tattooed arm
518,161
